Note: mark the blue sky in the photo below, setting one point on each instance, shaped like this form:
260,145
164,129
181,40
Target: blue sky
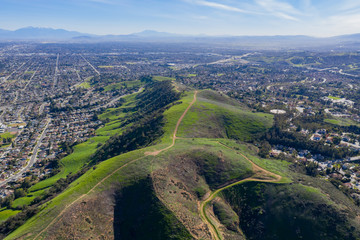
211,17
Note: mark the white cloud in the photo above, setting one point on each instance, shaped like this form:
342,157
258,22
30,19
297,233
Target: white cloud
267,7
279,9
345,22
220,6
347,5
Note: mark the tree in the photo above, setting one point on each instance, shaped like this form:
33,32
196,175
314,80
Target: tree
26,183
18,193
298,129
311,169
264,149
7,201
336,140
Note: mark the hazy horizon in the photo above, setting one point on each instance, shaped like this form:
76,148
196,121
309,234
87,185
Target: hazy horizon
189,17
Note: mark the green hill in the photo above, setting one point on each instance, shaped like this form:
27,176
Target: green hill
215,115
204,184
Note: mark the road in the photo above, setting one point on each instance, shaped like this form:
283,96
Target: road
32,160
56,72
353,159
30,79
90,65
6,78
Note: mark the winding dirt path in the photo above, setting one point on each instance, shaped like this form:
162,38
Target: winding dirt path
176,129
126,164
258,172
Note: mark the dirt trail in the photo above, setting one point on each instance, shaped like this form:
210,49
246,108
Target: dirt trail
256,168
104,179
176,129
258,172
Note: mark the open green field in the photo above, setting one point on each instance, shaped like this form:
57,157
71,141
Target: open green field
5,214
86,83
103,66
27,199
341,121
7,135
334,98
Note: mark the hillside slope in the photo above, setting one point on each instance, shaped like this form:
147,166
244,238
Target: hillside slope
198,182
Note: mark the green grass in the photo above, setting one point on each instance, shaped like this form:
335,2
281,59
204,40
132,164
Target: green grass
85,183
5,214
341,121
334,98
205,151
173,114
27,199
161,78
191,75
7,135
116,113
86,83
216,116
121,85
280,207
276,166
74,162
102,66
226,215
218,163
296,61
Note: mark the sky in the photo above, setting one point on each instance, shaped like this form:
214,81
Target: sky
321,18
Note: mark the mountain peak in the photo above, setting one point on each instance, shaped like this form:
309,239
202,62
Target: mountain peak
154,33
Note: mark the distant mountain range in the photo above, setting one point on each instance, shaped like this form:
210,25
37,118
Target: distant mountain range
50,34
35,33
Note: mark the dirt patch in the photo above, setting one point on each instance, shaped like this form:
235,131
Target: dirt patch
173,186
90,218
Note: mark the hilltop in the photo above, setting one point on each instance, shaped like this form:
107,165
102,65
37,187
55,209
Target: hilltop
194,170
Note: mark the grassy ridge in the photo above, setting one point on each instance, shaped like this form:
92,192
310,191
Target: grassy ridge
215,115
217,163
104,169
